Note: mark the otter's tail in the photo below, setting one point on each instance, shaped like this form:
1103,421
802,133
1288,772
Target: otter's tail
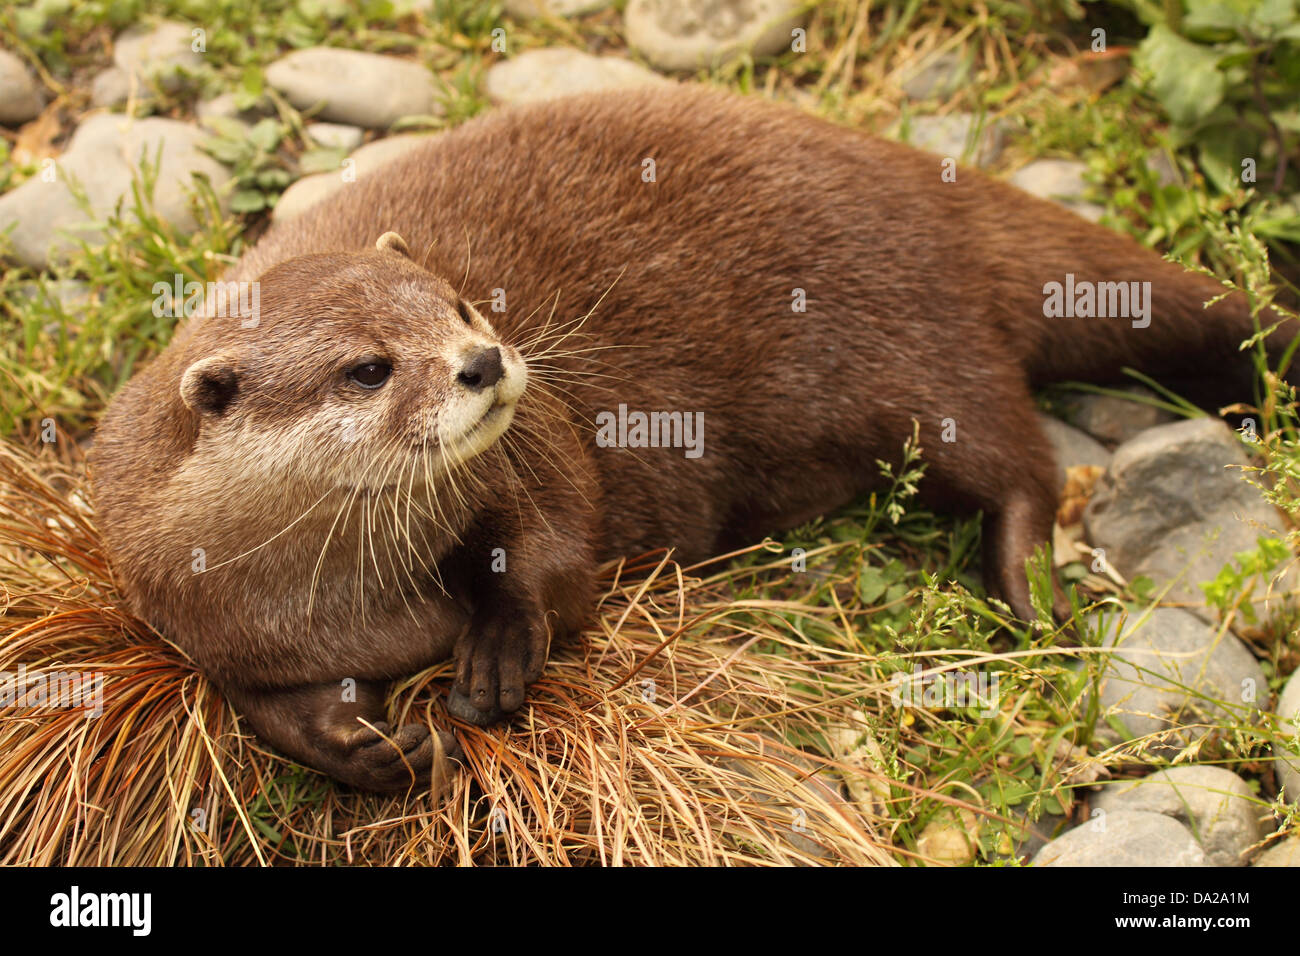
1092,302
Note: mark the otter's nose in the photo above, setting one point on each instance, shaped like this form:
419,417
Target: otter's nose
483,370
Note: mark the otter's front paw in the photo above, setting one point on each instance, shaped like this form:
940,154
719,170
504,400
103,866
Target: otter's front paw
496,661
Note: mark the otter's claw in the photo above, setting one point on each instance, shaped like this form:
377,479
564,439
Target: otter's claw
460,707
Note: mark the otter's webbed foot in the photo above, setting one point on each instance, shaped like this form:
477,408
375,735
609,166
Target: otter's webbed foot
338,728
497,658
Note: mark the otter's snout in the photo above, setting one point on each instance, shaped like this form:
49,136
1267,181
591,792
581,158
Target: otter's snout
483,369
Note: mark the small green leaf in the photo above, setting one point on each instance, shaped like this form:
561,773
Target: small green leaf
1185,76
272,179
251,86
320,160
265,135
1221,151
247,200
1215,19
871,584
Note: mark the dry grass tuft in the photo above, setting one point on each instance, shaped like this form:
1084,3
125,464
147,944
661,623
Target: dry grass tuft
660,738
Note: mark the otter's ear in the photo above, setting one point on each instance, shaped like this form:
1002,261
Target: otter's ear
391,240
210,385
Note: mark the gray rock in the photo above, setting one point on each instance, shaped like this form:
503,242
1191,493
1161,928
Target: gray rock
1124,838
951,135
546,74
1170,669
102,156
698,34
1286,853
70,294
529,9
304,193
1110,418
20,95
225,107
113,87
1060,180
1169,507
309,190
336,135
1214,803
361,89
1072,447
937,76
1288,761
160,54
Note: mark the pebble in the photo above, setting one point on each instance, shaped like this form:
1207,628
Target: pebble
1031,836
1169,507
336,135
1160,652
143,56
546,74
20,94
1287,766
102,156
1286,853
161,53
698,34
531,9
1124,838
1158,162
1072,447
950,839
309,190
70,294
938,76
360,89
1061,181
1112,419
1214,803
948,136
225,107
112,87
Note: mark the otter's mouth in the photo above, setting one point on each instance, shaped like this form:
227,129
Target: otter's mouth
490,416
483,433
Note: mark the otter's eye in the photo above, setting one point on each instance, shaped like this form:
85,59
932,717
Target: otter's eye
463,308
370,374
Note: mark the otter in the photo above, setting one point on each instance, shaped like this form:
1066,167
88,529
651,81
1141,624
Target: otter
409,454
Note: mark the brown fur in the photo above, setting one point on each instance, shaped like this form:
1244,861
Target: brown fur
924,302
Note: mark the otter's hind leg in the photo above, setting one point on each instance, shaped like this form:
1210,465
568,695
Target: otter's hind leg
1001,462
1021,523
321,725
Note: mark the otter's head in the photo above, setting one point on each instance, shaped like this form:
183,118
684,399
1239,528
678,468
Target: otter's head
356,370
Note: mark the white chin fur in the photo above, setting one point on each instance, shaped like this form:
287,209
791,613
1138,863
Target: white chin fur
480,436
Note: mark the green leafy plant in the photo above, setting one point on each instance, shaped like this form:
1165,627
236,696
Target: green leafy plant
1233,580
1228,74
259,170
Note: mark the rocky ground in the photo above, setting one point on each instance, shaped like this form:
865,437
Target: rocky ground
1167,497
